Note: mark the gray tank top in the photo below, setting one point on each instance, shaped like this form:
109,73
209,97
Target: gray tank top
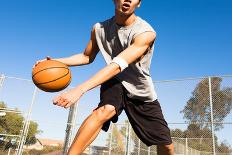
112,39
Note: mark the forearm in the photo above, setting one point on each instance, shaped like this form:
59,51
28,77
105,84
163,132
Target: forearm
75,60
103,75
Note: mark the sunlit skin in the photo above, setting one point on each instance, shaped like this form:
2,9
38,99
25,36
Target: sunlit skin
125,16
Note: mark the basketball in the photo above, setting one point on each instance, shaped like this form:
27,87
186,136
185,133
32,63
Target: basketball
51,76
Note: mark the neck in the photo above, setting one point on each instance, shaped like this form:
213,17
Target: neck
124,20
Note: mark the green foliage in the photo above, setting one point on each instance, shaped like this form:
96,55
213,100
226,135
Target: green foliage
198,112
117,143
198,107
223,148
119,135
12,123
200,139
33,130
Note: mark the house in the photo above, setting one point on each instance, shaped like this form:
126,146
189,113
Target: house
40,143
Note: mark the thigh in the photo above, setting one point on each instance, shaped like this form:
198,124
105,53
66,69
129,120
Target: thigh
112,93
147,120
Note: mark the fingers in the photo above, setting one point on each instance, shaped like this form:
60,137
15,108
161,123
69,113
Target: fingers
37,62
59,101
68,98
68,105
56,100
48,58
62,102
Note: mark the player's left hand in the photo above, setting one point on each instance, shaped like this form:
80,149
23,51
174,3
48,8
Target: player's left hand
68,98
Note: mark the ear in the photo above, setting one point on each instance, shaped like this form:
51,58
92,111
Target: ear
139,4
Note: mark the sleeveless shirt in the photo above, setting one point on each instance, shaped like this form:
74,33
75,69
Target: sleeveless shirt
112,39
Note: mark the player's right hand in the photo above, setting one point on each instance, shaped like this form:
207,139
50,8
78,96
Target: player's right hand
37,62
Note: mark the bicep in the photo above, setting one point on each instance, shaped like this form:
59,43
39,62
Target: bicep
91,49
139,47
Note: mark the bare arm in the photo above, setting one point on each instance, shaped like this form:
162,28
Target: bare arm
86,57
131,54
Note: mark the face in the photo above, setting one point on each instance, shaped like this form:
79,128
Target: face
126,7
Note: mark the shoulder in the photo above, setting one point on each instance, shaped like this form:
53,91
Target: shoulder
143,25
104,24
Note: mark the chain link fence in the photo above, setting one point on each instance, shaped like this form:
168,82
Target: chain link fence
198,112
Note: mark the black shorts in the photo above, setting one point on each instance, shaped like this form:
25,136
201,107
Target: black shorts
146,118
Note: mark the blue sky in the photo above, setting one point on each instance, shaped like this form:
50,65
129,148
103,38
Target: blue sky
193,37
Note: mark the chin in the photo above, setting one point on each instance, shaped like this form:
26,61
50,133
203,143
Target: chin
127,13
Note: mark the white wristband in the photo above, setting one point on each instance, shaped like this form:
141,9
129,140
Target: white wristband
121,62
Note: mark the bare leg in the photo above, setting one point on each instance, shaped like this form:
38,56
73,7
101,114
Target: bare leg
90,129
165,149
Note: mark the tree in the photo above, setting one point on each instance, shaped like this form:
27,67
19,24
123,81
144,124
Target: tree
198,107
119,140
32,131
198,112
202,139
115,139
12,123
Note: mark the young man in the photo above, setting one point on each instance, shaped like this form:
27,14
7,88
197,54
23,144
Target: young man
126,43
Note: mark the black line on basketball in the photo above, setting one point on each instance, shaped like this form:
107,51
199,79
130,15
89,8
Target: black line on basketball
54,79
46,69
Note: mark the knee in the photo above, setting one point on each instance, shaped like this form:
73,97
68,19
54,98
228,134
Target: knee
165,149
104,113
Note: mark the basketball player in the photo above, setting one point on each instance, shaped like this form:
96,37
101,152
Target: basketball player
126,42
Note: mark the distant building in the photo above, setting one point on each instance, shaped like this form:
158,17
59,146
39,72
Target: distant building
40,143
99,150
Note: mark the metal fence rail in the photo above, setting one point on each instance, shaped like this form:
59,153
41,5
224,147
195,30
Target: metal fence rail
198,112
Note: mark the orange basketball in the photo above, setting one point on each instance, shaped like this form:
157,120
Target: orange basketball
51,76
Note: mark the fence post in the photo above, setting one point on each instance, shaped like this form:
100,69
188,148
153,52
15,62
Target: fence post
139,147
9,151
127,152
211,110
186,146
201,143
26,125
111,138
70,127
149,151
